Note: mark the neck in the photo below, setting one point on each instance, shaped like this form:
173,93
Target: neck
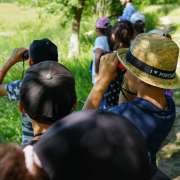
154,95
39,128
31,160
128,3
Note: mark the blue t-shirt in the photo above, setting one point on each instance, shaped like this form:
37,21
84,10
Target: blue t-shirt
154,123
128,11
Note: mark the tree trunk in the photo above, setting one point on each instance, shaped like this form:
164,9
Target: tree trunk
74,39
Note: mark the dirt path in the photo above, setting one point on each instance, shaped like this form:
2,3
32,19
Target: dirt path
169,156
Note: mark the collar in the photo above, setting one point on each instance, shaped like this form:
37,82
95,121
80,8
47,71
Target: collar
31,159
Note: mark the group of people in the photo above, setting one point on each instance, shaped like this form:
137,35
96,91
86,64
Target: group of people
125,119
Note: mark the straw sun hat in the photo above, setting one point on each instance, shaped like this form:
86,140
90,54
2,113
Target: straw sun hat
153,59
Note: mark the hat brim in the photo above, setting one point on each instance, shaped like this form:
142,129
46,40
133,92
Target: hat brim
147,78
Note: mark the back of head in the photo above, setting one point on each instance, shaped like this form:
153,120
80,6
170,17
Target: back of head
123,33
138,21
153,59
103,25
43,50
93,145
12,167
102,22
48,92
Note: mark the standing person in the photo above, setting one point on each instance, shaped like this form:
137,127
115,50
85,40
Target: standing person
47,94
128,11
101,44
121,36
138,21
151,63
39,50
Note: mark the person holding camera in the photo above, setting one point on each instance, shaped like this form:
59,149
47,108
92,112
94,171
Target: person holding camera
150,64
39,50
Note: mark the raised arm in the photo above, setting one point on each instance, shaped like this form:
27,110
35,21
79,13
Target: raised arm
15,57
107,72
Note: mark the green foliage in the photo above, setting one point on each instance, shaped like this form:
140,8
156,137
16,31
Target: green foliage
10,124
151,21
80,69
149,2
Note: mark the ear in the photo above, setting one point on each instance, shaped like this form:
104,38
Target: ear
74,106
21,107
30,62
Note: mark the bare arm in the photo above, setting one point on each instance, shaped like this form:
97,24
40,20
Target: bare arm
98,53
107,72
3,91
15,57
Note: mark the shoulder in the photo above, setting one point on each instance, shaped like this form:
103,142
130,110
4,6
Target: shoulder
15,84
119,108
102,43
130,6
13,89
101,39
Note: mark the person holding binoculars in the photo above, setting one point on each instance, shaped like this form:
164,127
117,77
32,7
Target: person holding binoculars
39,50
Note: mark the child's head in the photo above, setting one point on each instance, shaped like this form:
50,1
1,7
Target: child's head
138,21
124,2
102,25
93,145
43,50
48,92
13,166
122,34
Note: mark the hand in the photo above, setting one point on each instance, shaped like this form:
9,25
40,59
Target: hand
108,68
107,72
16,55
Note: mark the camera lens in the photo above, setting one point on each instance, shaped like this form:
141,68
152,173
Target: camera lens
25,55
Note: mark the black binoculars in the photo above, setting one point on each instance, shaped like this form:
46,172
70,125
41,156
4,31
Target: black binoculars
25,55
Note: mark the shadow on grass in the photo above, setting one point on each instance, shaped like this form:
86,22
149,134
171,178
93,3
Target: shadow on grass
171,166
169,156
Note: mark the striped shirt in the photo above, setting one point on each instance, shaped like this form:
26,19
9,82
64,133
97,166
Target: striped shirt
13,91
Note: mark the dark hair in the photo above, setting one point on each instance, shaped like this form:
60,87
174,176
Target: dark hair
123,33
48,91
139,27
13,167
93,146
43,50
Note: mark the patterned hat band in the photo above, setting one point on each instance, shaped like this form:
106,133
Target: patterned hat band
131,59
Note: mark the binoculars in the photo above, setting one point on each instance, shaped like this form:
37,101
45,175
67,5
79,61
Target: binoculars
25,55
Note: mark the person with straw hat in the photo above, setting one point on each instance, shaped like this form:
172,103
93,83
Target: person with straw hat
150,64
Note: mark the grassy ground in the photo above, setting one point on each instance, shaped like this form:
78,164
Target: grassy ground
20,25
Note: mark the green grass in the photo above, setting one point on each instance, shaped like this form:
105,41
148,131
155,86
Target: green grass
18,27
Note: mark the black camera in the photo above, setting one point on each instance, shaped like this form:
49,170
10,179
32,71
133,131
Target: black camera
25,55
